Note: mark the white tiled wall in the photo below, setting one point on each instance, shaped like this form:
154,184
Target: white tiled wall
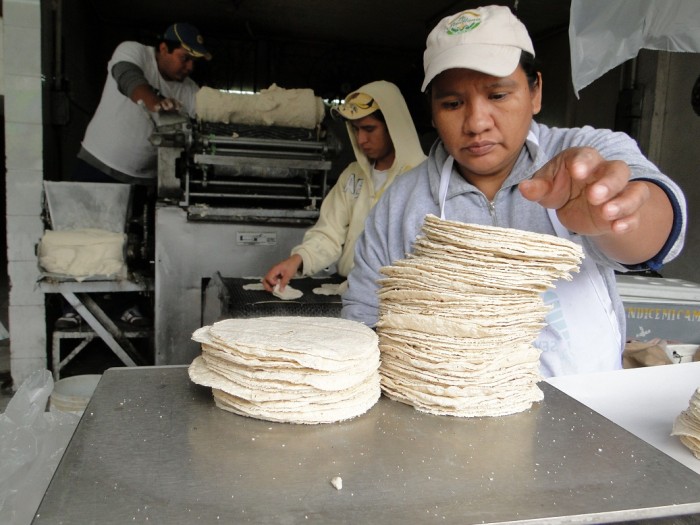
21,83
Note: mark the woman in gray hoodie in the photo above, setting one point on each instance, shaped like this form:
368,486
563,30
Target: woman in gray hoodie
494,165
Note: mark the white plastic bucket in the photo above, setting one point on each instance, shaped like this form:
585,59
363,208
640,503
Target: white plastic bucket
72,394
681,353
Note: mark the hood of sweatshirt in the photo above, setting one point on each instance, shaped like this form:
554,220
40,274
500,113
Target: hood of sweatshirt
399,123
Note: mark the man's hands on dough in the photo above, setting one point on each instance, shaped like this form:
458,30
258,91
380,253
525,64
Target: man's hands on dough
282,272
168,104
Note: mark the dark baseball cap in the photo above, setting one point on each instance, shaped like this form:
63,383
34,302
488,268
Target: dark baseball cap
189,38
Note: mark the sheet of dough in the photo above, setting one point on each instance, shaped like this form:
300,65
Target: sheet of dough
289,293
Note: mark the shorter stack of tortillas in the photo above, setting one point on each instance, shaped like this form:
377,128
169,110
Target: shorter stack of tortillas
457,318
289,369
687,425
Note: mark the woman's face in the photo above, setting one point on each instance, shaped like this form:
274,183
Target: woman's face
483,121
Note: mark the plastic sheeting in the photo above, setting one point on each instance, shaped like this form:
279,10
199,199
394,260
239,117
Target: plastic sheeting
605,33
32,442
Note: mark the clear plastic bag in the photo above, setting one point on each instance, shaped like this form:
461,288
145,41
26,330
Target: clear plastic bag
604,34
32,442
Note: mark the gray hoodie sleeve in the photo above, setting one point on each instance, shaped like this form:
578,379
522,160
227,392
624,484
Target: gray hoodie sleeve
615,145
390,230
372,251
360,301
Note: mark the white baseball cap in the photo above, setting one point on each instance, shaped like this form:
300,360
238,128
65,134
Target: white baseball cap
488,39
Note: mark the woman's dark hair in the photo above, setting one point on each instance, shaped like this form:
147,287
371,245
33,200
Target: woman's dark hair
530,67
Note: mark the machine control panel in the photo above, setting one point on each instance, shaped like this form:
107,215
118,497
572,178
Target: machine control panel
256,238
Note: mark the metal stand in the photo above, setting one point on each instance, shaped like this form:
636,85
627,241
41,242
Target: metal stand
78,295
87,336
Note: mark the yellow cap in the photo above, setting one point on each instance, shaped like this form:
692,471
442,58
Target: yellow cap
356,106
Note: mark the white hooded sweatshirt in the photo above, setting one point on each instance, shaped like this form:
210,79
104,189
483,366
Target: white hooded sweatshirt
345,208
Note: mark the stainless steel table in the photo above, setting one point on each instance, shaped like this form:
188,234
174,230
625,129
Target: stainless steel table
152,448
644,401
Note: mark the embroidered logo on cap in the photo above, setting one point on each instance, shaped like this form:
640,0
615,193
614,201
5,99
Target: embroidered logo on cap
465,22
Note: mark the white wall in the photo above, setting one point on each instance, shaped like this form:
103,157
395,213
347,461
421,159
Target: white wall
22,88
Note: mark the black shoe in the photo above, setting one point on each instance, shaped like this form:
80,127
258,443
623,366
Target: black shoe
68,321
134,317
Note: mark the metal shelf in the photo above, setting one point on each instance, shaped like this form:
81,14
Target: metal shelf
78,295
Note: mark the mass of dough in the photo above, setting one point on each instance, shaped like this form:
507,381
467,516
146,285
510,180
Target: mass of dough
337,482
275,106
83,253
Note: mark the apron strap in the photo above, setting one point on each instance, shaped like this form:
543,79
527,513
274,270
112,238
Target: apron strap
445,175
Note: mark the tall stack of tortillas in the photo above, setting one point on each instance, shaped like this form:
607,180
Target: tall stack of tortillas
289,369
458,317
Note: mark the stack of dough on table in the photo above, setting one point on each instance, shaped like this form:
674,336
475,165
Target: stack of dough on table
457,318
83,253
289,369
687,425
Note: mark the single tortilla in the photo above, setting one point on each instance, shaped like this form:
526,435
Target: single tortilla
288,294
